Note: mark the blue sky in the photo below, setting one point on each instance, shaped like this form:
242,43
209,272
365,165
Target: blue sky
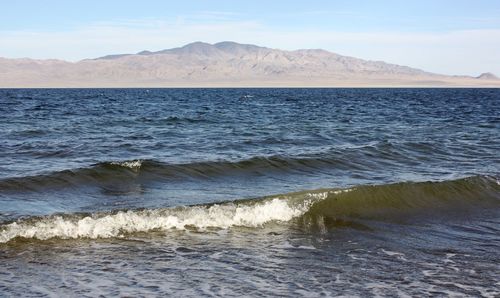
451,37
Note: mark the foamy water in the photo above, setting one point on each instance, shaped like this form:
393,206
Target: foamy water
114,225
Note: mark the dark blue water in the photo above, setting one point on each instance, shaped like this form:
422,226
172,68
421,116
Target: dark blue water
117,186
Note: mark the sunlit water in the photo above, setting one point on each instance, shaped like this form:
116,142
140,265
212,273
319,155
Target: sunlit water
256,192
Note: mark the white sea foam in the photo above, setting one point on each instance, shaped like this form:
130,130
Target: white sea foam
115,225
223,216
132,164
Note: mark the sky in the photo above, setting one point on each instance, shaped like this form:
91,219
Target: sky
442,36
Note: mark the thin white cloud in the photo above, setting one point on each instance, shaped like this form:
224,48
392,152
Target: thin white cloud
456,52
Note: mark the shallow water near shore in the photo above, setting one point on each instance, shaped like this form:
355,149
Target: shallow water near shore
259,192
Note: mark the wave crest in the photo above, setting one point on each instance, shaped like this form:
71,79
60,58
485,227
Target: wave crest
131,164
222,216
400,202
323,209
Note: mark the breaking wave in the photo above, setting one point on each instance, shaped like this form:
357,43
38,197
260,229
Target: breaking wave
318,209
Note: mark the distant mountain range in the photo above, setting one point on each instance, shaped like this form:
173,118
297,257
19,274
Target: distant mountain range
224,64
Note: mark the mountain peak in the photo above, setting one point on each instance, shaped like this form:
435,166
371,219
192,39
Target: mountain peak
231,46
197,45
145,52
487,76
206,49
195,48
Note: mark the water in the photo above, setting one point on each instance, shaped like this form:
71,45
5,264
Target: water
259,192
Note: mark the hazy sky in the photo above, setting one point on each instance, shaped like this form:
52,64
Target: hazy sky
444,36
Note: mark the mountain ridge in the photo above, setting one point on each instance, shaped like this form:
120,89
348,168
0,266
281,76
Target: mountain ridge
224,64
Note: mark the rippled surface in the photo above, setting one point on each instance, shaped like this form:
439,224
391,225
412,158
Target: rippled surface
347,191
